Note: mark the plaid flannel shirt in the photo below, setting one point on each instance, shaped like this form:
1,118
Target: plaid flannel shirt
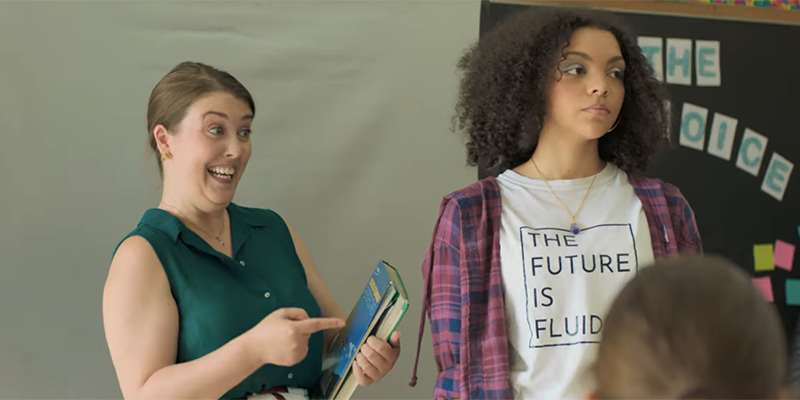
463,292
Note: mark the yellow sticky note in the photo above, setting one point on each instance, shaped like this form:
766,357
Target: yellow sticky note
764,257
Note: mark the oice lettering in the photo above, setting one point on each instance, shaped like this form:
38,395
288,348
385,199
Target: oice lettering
777,176
751,154
693,126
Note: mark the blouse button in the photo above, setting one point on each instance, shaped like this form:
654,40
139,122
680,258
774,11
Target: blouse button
266,295
241,262
290,376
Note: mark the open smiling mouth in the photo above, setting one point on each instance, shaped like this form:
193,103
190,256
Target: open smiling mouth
224,174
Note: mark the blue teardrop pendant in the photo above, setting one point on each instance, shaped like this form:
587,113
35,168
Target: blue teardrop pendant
574,229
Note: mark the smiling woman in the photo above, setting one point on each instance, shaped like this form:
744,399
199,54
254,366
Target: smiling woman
565,108
206,298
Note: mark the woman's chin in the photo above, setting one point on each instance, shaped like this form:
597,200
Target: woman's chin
592,134
220,198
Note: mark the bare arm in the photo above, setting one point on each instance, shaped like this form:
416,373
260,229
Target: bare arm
141,325
330,308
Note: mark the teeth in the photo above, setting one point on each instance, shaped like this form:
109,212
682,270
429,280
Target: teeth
222,171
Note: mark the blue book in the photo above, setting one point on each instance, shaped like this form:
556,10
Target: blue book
378,312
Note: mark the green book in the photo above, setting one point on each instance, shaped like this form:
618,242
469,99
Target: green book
378,312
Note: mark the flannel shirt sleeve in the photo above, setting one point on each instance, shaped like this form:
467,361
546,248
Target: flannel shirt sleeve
684,223
445,301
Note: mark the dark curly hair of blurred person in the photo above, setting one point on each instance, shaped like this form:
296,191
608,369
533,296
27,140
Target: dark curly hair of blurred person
507,76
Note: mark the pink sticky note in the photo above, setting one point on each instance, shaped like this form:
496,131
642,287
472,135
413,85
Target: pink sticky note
764,285
784,255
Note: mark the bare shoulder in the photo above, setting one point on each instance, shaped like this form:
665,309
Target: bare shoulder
135,270
135,256
140,316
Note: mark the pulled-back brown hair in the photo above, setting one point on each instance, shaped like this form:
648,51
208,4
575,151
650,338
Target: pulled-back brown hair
691,327
180,88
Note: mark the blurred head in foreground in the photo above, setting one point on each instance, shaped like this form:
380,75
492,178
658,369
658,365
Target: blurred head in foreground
692,328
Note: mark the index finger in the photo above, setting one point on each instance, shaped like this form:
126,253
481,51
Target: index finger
312,325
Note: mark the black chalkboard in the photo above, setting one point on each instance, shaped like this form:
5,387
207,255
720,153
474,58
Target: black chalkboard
759,87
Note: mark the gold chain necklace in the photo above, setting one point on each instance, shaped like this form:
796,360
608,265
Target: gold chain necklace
573,226
186,220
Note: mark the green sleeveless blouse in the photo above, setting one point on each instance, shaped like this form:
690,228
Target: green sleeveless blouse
219,297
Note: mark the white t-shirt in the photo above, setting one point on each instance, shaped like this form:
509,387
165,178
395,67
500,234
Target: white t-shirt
558,286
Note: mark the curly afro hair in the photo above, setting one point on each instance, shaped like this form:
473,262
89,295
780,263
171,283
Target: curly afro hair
507,75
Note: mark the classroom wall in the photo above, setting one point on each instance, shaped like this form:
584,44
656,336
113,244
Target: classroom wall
351,144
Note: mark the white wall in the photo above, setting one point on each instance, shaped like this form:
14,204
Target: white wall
351,144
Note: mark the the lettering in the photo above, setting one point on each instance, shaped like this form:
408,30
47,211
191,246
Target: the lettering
545,292
693,126
580,263
723,131
555,262
583,263
622,260
605,262
751,152
555,238
708,70
653,49
777,176
750,155
570,326
535,264
679,61
551,270
552,240
534,236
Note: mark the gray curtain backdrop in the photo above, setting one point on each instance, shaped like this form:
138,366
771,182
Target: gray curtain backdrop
351,144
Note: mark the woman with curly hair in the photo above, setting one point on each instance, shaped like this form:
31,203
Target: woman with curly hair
565,110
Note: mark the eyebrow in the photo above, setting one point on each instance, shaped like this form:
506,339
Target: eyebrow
588,58
223,115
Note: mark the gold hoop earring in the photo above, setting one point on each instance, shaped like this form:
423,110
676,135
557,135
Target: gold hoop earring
615,126
165,157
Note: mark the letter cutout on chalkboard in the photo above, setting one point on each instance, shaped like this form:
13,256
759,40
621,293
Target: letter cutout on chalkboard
653,49
707,61
777,177
668,108
693,126
723,131
751,151
679,61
